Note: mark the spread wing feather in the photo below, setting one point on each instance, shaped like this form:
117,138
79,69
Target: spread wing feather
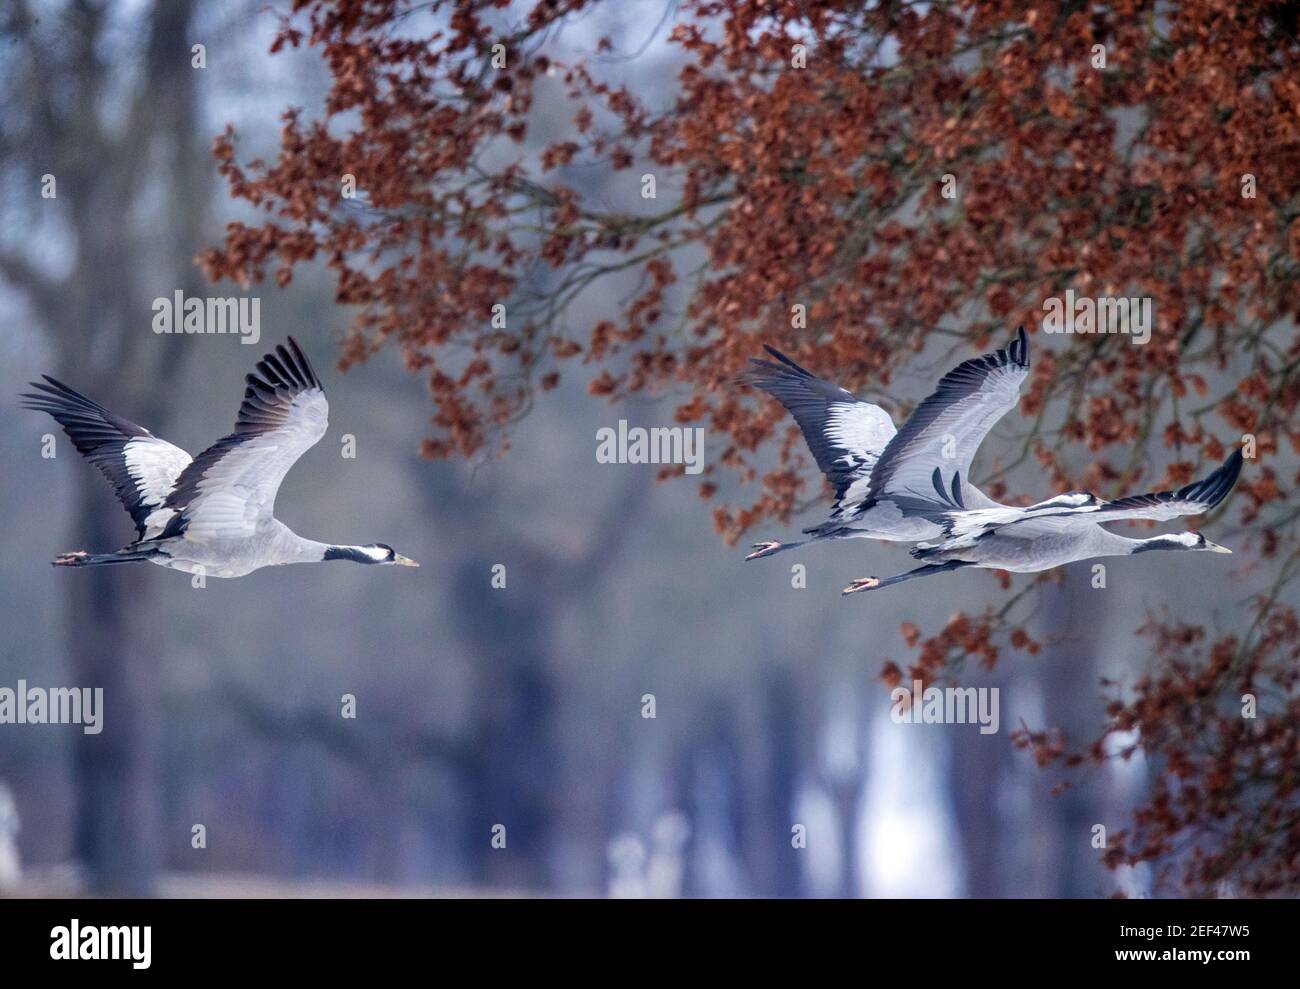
141,467
231,486
845,434
1195,498
925,468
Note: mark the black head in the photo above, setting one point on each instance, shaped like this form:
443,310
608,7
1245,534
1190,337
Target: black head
1181,540
380,553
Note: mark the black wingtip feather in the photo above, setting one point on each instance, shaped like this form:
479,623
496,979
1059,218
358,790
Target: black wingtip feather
286,367
309,372
1018,349
786,360
274,370
1205,493
1224,479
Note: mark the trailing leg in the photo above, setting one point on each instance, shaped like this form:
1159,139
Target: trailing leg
80,558
772,548
874,583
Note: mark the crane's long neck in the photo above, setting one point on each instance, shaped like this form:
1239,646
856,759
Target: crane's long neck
357,554
1131,547
1103,542
300,550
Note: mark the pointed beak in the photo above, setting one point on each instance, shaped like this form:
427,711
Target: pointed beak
1216,548
404,561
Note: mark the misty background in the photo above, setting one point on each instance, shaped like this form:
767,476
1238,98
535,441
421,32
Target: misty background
476,706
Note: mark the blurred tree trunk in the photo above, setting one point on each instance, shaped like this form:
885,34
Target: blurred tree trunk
846,795
514,777
774,862
117,837
1076,612
708,783
681,776
978,766
100,313
843,772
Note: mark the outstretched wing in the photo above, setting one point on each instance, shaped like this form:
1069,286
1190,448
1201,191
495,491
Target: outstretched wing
845,434
141,467
1195,498
924,469
231,486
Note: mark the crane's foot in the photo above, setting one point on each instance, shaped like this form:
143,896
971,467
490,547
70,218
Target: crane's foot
763,549
862,584
72,559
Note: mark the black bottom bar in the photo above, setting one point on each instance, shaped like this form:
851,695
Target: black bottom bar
366,937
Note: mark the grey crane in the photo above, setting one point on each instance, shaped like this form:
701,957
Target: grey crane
1007,538
901,484
213,514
